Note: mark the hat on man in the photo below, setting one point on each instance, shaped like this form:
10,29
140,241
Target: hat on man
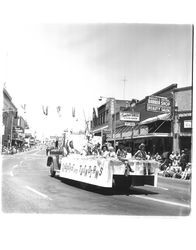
142,145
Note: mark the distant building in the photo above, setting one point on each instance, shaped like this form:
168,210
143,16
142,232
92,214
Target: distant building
9,118
182,126
13,125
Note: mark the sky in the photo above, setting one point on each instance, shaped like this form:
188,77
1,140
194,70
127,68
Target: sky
72,65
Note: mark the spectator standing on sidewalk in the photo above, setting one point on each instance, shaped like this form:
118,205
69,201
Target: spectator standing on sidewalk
172,157
183,160
177,159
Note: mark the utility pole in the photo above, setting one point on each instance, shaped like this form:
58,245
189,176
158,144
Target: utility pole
124,81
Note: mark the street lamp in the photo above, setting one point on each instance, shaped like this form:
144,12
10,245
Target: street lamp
113,115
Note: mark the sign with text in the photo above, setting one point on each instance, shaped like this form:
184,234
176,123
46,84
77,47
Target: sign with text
127,133
131,124
143,130
135,132
130,116
112,103
187,124
95,171
158,104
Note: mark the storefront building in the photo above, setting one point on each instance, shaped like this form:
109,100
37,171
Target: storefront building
9,119
162,121
107,118
13,125
182,123
150,122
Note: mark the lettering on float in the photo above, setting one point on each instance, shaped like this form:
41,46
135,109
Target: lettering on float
83,170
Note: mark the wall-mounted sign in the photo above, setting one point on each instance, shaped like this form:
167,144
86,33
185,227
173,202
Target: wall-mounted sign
144,130
187,124
118,135
135,132
130,116
112,106
131,124
158,104
184,114
127,134
155,108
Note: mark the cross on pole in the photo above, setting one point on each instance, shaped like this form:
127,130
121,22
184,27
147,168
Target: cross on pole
124,81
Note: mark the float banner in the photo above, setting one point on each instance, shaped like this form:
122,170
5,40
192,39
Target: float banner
92,170
141,167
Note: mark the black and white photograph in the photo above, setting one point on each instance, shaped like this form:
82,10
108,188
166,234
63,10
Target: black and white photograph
97,119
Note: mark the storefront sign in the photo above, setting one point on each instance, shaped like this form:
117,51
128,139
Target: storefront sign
127,134
184,114
130,116
118,135
135,132
144,130
131,124
187,124
112,106
158,104
155,108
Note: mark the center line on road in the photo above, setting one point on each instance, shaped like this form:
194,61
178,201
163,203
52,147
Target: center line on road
163,201
37,192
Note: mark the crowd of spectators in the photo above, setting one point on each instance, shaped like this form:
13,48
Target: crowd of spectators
174,165
14,149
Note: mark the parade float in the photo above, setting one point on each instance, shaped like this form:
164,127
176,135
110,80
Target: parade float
94,169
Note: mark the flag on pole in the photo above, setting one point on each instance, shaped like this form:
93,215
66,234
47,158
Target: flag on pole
94,113
73,112
59,110
24,108
45,110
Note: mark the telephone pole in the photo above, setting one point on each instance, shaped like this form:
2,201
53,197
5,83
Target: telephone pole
124,82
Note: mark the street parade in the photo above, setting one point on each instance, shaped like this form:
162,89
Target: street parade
91,136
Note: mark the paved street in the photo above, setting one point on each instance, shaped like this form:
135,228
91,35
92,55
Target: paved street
28,188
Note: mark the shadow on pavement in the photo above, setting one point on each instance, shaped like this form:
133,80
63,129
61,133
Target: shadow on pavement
107,191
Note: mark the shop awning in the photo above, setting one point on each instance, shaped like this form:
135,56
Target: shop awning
163,117
99,129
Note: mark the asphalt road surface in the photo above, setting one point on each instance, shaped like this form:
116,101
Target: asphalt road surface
28,188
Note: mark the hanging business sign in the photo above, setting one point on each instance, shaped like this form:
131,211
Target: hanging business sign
131,124
112,106
158,104
187,124
130,116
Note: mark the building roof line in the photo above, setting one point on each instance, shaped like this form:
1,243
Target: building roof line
183,88
171,86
